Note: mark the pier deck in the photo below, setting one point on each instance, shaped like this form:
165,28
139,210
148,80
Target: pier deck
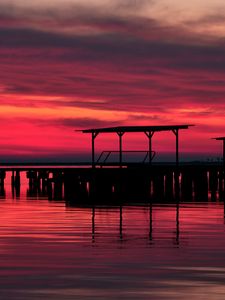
111,184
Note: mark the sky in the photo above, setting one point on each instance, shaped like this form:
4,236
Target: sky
72,64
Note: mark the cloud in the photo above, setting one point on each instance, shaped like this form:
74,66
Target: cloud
128,18
75,123
106,58
100,73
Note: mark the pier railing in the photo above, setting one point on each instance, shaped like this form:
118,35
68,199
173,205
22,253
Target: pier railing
105,155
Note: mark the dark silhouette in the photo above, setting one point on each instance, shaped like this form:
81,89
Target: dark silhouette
149,131
175,240
124,183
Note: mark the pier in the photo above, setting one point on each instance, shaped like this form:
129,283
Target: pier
149,131
133,183
101,182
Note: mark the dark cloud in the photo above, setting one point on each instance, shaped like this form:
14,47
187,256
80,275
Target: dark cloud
103,59
69,11
75,123
88,21
132,4
133,64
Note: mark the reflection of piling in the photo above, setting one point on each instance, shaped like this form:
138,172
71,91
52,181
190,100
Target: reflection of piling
158,186
224,178
15,179
177,224
34,183
75,188
201,186
213,183
168,186
58,185
121,222
43,176
2,183
186,185
222,173
176,184
93,224
101,188
135,186
221,184
15,183
2,178
38,181
150,221
50,189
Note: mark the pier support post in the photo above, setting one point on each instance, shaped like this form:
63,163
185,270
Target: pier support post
2,183
150,221
176,132
168,186
93,136
213,183
121,222
201,185
224,177
93,223
186,185
15,182
224,154
120,134
177,224
221,184
158,185
149,134
224,172
2,178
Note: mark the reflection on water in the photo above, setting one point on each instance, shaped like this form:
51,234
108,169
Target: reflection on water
51,251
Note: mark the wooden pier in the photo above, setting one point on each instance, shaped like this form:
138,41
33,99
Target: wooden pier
110,185
119,183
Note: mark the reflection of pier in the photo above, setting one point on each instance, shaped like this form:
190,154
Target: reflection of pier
2,183
151,237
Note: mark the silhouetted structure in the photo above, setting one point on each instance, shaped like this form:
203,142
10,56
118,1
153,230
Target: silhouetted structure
134,183
148,130
222,139
222,181
152,226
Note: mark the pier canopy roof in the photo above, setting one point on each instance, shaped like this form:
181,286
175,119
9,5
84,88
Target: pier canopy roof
147,130
221,138
136,129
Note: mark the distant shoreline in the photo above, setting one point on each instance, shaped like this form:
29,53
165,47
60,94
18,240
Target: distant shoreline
113,164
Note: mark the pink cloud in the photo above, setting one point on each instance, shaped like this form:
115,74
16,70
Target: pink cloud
138,70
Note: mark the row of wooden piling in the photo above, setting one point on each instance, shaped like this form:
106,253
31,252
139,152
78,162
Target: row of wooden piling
135,185
127,185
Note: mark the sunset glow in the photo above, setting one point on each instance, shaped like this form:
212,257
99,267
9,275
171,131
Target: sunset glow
72,64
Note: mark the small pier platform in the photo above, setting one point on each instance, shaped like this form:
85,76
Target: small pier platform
112,185
117,183
140,184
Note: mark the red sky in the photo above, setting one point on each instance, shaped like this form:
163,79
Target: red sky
72,64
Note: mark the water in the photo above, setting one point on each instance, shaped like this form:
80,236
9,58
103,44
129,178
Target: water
51,251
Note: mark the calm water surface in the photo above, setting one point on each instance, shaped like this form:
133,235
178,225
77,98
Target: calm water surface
51,251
